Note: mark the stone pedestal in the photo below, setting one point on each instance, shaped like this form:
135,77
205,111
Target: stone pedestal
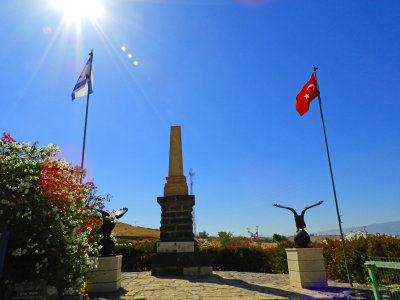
176,218
181,263
306,267
176,253
107,277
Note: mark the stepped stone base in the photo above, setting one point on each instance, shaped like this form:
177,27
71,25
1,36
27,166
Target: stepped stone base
170,247
181,263
176,218
306,267
107,277
176,253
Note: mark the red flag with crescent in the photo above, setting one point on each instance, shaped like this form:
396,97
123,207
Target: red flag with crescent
306,95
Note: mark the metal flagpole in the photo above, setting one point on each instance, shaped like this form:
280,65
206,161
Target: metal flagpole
87,108
333,183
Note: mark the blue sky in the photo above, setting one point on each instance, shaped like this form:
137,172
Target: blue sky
228,72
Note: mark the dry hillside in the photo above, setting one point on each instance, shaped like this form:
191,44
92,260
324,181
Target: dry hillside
129,232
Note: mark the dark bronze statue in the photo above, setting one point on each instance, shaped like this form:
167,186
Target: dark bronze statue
301,237
105,229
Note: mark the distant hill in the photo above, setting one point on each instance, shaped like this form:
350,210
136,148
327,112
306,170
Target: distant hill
129,232
388,228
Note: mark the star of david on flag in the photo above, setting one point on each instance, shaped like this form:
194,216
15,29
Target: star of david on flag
81,87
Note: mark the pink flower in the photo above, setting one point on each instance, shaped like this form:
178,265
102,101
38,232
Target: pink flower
7,138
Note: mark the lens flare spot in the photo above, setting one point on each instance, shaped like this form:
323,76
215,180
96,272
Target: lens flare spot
123,48
47,30
129,55
136,63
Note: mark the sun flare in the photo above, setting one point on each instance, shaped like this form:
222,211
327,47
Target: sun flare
76,10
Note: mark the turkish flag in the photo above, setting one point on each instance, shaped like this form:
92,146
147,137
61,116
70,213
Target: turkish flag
306,95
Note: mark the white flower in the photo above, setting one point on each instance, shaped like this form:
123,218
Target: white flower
17,252
354,235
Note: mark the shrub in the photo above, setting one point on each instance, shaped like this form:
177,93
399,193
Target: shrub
278,257
278,238
245,257
333,257
136,255
225,237
203,234
358,250
239,258
42,202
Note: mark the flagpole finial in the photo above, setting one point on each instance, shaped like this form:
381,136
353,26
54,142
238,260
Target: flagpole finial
315,68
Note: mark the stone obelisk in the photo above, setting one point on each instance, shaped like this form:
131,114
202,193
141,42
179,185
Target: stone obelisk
176,252
176,182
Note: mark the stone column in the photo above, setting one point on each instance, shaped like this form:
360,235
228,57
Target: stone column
176,182
176,253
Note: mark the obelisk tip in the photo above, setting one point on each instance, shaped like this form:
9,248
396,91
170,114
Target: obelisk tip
176,182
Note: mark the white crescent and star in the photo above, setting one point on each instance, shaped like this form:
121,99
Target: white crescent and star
308,95
311,85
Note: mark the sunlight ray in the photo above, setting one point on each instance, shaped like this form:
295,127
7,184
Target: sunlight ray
76,10
78,36
35,71
106,40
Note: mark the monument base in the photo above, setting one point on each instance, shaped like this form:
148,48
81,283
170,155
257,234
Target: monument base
306,267
180,263
107,277
179,258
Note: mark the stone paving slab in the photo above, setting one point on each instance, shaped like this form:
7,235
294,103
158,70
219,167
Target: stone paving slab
227,285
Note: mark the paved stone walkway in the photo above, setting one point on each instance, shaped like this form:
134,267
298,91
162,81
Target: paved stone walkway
227,285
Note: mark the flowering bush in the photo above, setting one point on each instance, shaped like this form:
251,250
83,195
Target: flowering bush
358,251
52,234
204,243
354,235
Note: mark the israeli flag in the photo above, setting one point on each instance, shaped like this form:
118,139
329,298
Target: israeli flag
81,87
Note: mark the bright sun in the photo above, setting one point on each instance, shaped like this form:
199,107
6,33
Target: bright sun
76,10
